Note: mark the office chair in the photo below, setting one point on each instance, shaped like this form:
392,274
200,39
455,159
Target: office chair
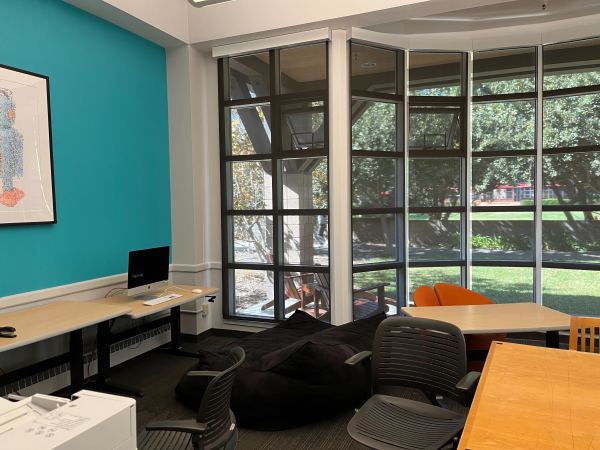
215,425
420,353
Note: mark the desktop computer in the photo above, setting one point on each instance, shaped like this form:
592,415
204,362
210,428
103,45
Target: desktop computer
148,272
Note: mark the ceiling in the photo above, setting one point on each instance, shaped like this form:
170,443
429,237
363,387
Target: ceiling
508,13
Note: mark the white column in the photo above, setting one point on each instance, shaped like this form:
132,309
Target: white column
339,179
194,160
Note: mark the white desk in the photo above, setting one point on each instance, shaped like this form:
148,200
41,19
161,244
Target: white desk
136,310
498,318
38,323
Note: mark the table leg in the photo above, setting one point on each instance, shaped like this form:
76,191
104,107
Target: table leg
174,347
103,382
76,360
552,339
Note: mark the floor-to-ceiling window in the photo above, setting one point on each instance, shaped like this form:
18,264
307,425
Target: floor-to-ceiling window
501,186
571,176
377,121
274,181
503,173
437,149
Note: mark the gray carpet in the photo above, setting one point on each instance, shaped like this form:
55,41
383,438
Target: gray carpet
157,373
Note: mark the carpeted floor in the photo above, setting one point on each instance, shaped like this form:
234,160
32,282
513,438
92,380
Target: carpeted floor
157,374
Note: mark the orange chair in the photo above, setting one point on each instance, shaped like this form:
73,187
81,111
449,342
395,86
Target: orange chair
453,295
425,296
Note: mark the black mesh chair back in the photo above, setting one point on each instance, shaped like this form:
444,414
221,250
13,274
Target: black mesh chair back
214,406
421,353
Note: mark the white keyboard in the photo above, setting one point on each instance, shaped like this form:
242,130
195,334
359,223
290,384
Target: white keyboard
159,300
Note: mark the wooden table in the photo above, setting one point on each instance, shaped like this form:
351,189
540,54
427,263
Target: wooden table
498,318
137,310
38,323
535,398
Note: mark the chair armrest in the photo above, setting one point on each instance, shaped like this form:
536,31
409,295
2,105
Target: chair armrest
202,373
358,358
183,426
369,288
467,386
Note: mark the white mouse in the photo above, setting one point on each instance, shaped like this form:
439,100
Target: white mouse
197,291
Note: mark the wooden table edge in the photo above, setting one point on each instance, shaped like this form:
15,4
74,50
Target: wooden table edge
476,400
16,342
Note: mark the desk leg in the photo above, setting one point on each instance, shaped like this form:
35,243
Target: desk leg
174,348
76,360
552,339
103,382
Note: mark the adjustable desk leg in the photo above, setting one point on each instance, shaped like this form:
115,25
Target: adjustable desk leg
76,360
103,382
552,339
174,348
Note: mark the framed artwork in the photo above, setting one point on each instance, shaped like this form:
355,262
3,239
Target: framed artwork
26,169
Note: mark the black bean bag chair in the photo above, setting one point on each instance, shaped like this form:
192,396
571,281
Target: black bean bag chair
294,373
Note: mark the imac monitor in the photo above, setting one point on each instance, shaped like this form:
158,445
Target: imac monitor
148,271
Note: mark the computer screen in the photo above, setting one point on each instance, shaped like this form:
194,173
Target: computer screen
148,266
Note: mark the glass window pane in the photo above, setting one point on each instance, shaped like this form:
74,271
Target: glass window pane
504,284
505,181
435,128
374,182
306,240
434,182
506,71
572,64
304,183
435,73
571,121
373,69
502,236
428,276
251,184
573,292
303,68
249,76
374,291
254,293
571,236
252,239
300,290
572,179
504,126
373,126
374,238
434,237
250,130
303,126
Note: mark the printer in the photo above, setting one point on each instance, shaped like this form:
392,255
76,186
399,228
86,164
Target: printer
90,421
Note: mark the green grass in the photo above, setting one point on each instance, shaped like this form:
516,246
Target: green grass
571,291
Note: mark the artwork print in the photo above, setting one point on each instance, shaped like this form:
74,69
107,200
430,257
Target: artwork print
26,174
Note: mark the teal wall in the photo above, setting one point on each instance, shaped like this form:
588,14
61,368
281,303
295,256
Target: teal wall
108,93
